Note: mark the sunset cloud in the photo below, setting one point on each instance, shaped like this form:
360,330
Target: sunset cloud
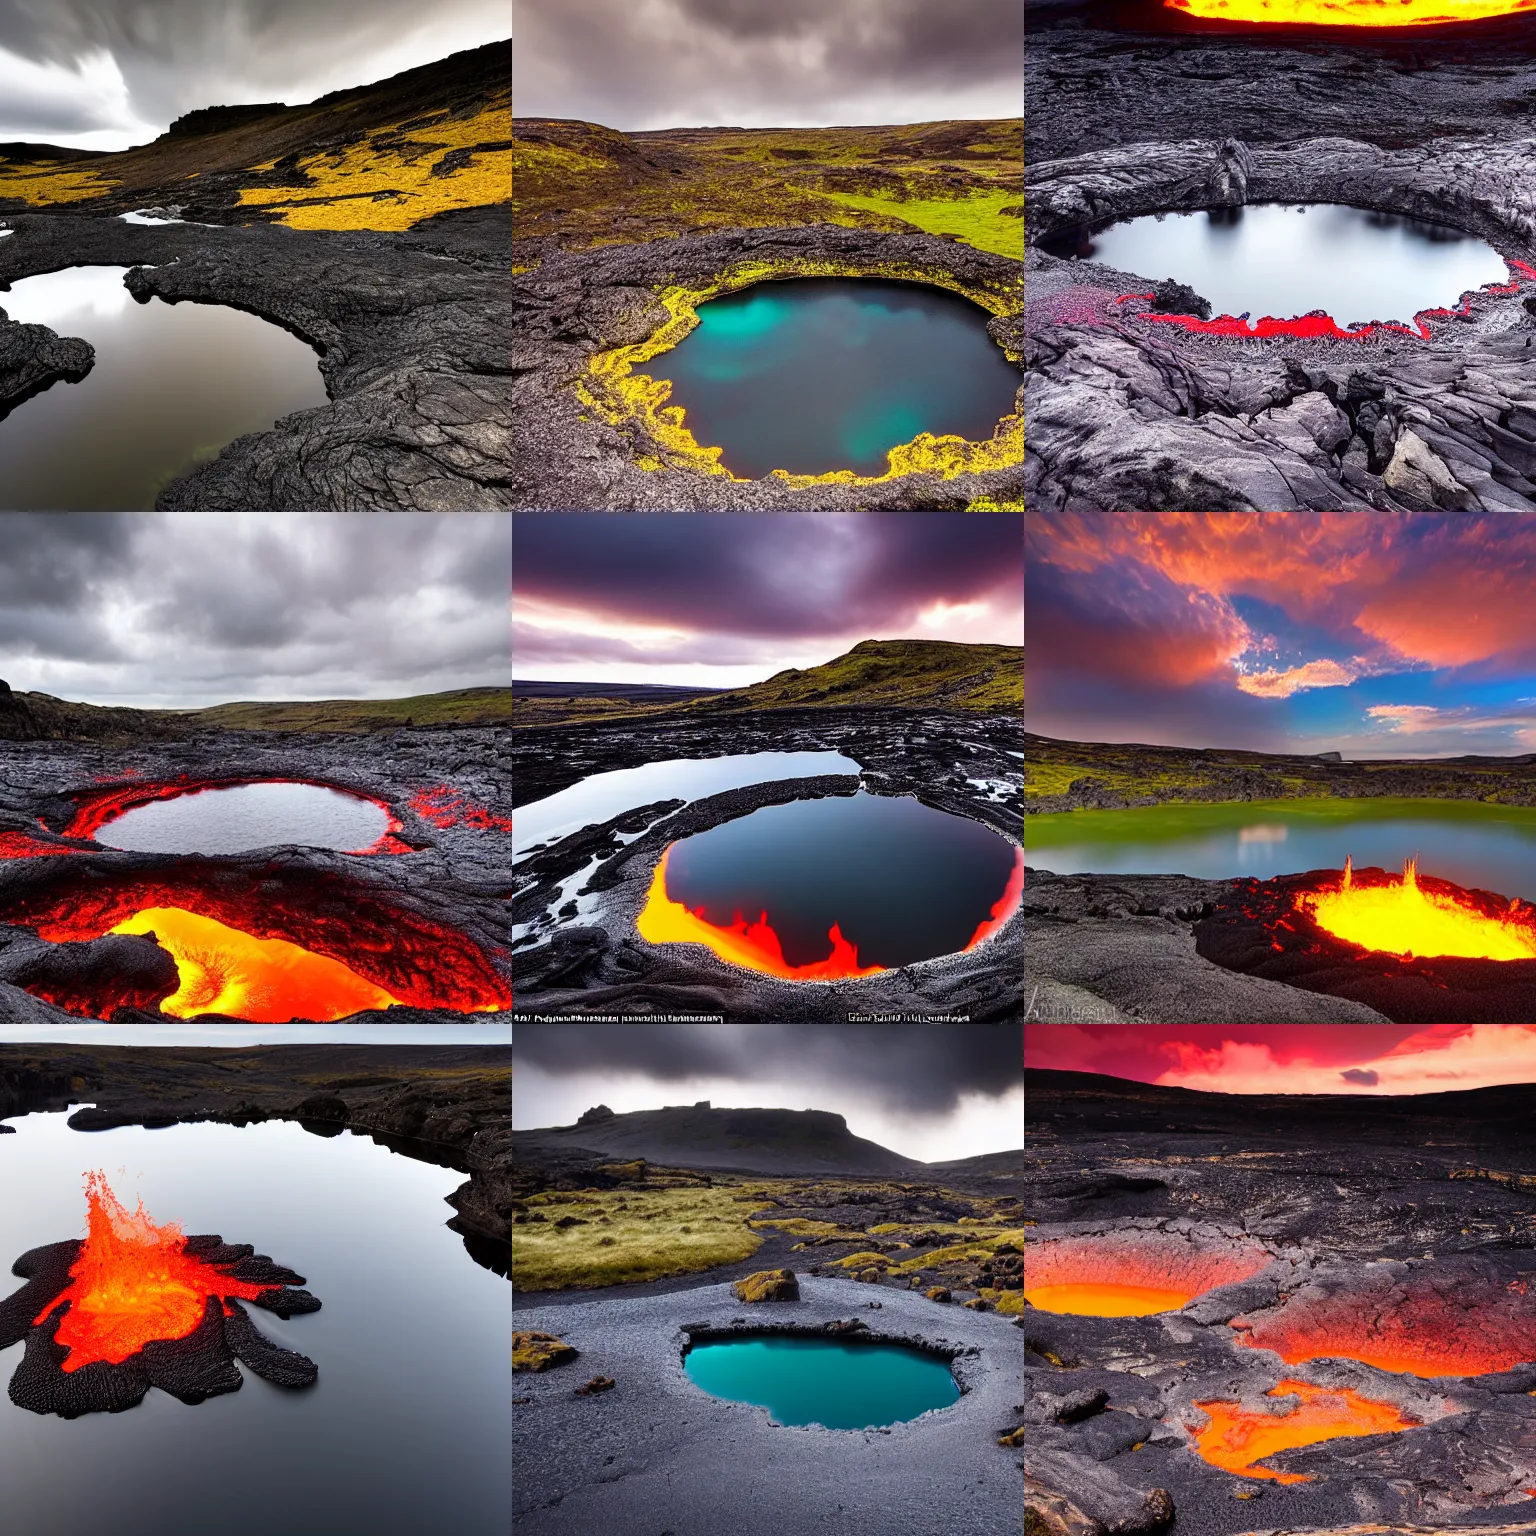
1311,674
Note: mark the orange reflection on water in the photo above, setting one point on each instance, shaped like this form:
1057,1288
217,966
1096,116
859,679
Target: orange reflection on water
1107,1299
1351,13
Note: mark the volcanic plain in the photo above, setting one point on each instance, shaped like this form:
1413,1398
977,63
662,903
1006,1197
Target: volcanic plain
1347,1331
1137,110
630,1233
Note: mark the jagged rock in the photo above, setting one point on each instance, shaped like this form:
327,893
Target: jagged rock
1421,477
535,1351
1171,298
592,1116
32,358
768,1285
937,1293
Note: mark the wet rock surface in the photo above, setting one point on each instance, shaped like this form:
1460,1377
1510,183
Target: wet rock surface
600,965
411,330
443,1104
1127,414
1122,948
661,1453
1409,1202
577,303
454,875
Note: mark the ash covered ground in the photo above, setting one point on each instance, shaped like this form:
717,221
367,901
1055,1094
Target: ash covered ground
1371,1214
1131,113
452,876
600,965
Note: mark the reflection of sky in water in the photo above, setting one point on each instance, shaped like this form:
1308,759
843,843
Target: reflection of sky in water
1498,856
51,298
1281,261
819,374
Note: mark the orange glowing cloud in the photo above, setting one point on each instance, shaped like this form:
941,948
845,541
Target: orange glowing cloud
1311,674
1351,13
1435,1060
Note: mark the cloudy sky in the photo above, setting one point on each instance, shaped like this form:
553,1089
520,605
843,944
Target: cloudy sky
932,1092
183,609
1293,1058
725,599
1410,636
637,64
106,74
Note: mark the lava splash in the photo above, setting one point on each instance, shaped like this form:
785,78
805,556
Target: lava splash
1401,918
1351,13
1132,1274
1237,1438
754,945
266,981
138,1305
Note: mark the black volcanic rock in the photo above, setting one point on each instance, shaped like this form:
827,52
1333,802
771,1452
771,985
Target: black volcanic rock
32,358
217,119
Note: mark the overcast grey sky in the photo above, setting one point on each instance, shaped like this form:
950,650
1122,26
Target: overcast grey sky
636,64
104,74
183,609
933,1092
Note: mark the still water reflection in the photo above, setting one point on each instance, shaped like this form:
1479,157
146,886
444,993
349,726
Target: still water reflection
407,1429
820,374
172,385
1271,259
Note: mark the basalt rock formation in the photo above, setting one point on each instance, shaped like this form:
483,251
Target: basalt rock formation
572,305
601,965
1129,414
410,329
445,874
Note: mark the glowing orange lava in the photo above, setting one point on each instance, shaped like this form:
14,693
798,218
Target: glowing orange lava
755,945
1130,1275
268,981
1400,918
1004,907
1235,1438
133,1282
1351,13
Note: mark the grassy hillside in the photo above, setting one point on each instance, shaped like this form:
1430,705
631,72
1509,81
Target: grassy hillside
586,185
382,156
41,717
875,674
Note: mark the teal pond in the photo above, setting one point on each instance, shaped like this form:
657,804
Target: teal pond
1488,847
830,1382
812,375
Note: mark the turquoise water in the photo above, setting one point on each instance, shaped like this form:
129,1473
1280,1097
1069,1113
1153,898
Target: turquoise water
820,374
823,1381
1487,846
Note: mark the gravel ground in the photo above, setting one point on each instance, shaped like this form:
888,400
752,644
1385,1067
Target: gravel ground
658,1457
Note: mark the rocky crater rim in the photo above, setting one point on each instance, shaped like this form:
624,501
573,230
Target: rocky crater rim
859,1334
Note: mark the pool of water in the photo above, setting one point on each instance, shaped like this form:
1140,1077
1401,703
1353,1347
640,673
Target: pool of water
899,880
1282,261
601,796
172,385
409,1425
820,374
1486,846
823,1381
248,816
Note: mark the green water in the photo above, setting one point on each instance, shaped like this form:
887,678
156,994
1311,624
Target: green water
1491,847
823,1381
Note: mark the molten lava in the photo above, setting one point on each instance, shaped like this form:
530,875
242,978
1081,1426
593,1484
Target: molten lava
1005,905
1235,1438
754,945
1130,1275
444,807
1401,918
1351,13
134,1282
267,981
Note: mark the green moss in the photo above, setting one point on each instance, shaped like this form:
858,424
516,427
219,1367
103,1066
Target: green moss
532,1351
976,218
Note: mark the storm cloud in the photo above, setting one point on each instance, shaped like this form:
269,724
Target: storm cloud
181,610
639,64
753,591
102,74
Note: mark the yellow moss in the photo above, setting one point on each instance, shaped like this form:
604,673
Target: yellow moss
977,218
613,389
385,182
38,185
861,1260
798,1226
532,1351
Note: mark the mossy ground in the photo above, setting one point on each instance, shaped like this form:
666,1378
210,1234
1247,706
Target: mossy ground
39,183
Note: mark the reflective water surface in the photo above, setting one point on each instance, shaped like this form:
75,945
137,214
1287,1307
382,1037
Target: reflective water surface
1489,847
1282,261
248,816
409,1424
171,386
823,1381
819,374
902,881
